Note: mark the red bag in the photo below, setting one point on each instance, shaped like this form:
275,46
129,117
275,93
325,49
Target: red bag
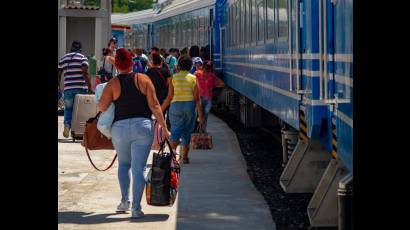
201,140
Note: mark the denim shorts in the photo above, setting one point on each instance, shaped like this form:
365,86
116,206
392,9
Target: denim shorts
182,118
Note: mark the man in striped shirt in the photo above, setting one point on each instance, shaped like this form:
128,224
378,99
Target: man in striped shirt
74,66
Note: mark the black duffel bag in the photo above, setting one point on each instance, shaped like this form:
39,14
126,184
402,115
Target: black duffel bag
163,178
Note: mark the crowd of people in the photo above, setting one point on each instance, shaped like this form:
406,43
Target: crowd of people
171,85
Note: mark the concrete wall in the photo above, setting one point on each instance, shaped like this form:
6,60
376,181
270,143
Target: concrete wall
92,28
81,29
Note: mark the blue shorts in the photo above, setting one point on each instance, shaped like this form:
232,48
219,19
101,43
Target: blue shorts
182,118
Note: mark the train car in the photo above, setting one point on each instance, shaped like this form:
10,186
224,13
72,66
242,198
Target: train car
294,59
140,32
291,60
184,23
171,24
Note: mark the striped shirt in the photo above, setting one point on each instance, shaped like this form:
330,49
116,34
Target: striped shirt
184,84
71,65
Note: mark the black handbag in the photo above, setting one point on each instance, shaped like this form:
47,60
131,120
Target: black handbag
163,179
104,75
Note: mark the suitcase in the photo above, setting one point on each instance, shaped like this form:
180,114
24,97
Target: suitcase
84,108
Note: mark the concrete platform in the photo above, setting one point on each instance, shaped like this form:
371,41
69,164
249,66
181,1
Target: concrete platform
215,191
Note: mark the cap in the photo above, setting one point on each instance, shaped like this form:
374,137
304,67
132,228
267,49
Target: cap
197,60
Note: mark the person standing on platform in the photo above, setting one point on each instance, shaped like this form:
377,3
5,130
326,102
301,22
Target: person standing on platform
74,68
183,98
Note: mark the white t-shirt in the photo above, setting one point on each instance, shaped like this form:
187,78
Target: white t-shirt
108,66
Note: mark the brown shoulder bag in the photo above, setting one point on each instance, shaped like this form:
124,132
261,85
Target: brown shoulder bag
93,139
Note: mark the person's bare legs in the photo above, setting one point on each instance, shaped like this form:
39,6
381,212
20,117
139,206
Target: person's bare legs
174,146
184,151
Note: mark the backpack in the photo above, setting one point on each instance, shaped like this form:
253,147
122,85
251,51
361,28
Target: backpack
137,66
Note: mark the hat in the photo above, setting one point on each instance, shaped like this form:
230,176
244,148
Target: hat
197,60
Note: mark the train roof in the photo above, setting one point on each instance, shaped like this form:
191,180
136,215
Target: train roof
170,9
143,16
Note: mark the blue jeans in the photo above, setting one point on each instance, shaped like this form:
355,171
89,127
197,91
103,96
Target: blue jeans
206,108
132,139
182,118
69,96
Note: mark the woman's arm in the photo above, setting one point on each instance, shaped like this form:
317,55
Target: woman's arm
168,100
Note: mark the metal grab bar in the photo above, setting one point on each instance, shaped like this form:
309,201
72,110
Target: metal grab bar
290,48
297,47
320,53
325,50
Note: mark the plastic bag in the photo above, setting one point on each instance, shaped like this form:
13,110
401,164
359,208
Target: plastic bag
106,118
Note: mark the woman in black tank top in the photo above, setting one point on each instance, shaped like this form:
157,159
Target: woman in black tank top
132,131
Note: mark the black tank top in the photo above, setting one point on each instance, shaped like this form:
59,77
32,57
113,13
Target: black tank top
131,102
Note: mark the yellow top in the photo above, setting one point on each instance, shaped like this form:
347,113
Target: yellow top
184,84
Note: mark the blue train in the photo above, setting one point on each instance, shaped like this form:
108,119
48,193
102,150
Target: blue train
292,59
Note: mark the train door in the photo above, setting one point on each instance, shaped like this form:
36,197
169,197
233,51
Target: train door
340,81
295,35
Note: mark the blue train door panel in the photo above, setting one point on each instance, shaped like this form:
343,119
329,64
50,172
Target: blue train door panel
342,80
310,86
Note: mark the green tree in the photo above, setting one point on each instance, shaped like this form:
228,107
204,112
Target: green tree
125,6
92,2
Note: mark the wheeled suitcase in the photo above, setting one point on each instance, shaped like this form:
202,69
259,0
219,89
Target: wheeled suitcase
84,108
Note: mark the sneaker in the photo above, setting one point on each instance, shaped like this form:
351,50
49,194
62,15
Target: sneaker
66,132
137,214
123,207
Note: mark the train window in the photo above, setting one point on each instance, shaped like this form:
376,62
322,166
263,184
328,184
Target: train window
245,21
184,33
178,34
205,31
254,22
169,36
261,21
163,36
242,16
238,23
233,24
189,32
270,20
173,35
201,31
283,20
249,21
194,30
229,25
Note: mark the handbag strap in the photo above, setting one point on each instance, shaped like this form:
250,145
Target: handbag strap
101,170
161,148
